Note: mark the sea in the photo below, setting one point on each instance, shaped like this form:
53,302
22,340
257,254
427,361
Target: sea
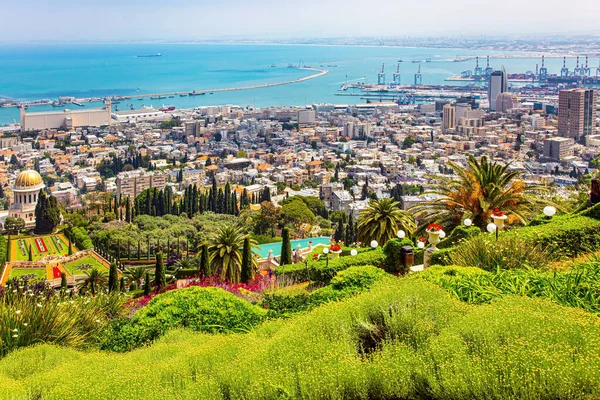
48,71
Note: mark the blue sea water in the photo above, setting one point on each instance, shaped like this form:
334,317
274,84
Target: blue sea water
36,71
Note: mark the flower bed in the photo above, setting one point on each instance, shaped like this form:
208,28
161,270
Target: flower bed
41,245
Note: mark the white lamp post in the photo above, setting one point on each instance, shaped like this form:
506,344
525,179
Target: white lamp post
326,252
401,234
549,211
353,252
491,227
442,234
420,244
468,222
374,244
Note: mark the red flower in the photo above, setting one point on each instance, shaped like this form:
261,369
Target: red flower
498,213
335,247
315,257
423,239
434,227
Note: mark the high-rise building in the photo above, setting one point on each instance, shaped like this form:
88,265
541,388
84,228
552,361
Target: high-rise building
449,117
576,113
498,84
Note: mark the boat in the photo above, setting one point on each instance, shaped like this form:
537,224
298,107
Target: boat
143,107
158,97
194,93
167,108
140,98
150,55
171,97
183,95
273,65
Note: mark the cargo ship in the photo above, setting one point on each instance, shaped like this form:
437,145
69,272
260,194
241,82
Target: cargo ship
167,108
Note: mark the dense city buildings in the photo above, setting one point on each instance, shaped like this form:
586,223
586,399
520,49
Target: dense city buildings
449,117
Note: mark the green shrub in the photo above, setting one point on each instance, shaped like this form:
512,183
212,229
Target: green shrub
322,272
345,284
592,212
29,319
511,252
361,278
565,235
80,237
393,256
203,309
405,339
441,256
576,287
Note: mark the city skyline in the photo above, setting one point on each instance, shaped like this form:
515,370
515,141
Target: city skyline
134,20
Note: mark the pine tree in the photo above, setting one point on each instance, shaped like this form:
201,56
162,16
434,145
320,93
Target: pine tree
159,272
247,262
147,287
286,248
112,278
204,261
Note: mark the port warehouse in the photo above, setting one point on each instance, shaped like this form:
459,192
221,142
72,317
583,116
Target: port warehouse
65,119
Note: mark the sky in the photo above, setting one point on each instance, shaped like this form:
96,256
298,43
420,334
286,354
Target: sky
172,20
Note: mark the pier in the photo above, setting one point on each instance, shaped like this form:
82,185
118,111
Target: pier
318,73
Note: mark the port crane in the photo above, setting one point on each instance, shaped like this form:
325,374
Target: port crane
598,69
478,71
418,77
396,75
543,75
577,71
564,71
586,70
381,75
488,70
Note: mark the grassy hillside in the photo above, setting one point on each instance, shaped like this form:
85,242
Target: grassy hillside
406,339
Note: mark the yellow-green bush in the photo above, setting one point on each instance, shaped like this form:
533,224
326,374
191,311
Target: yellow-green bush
427,345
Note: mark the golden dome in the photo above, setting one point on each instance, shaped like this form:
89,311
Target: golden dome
28,179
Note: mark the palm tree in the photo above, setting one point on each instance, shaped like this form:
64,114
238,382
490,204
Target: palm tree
225,249
381,221
136,275
476,192
95,280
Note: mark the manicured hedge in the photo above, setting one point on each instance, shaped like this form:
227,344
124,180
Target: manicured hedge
81,238
346,283
569,235
322,272
2,249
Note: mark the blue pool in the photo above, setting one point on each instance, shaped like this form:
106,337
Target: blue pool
263,249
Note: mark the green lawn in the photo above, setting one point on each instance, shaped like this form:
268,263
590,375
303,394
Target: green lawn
72,267
50,244
40,273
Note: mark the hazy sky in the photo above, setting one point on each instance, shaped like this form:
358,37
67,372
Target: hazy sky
213,19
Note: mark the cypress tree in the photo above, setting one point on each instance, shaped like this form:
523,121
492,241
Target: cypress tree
127,210
204,261
138,251
30,257
213,195
340,231
112,278
122,287
247,262
147,287
227,199
70,243
63,282
159,272
286,248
